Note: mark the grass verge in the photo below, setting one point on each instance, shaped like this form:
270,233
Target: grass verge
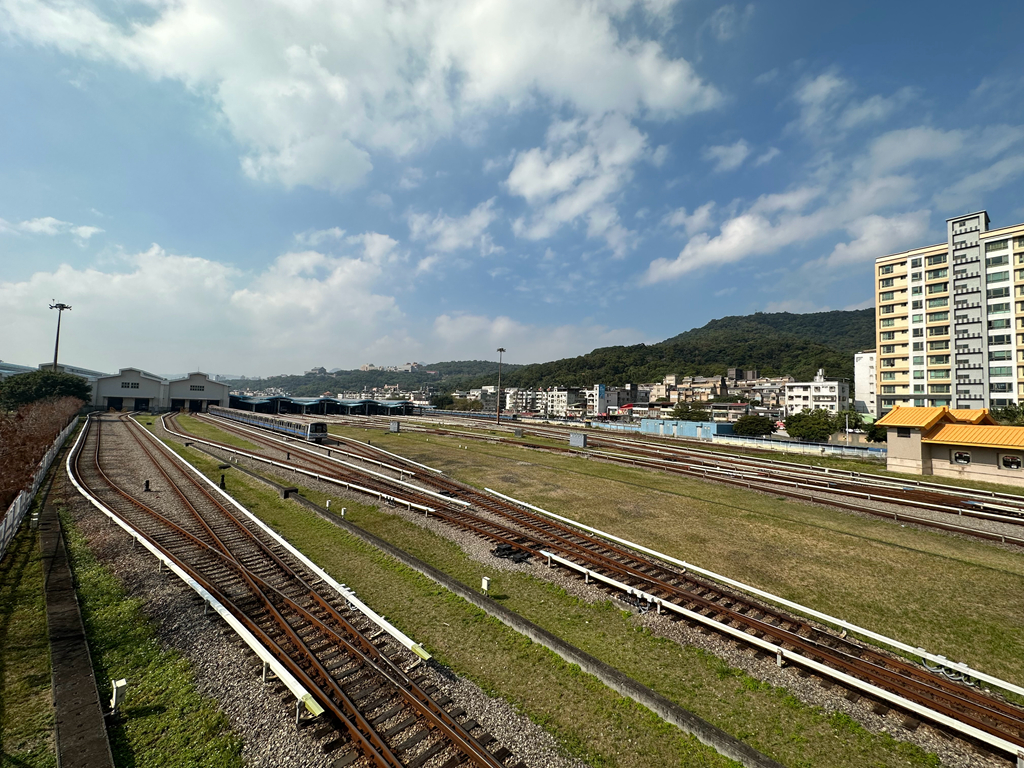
953,596
165,722
593,723
207,432
26,702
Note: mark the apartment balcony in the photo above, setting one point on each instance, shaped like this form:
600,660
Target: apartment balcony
968,335
969,366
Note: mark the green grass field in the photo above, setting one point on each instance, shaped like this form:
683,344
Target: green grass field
594,723
26,703
952,596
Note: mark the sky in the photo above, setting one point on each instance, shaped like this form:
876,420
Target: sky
263,188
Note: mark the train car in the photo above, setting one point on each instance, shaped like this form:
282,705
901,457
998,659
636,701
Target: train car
313,431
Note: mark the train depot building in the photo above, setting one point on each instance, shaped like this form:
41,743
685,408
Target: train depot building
323,406
966,444
132,389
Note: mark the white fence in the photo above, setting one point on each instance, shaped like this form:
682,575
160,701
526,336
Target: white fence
21,504
787,446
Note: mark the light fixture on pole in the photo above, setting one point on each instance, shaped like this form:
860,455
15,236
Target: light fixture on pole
497,406
60,310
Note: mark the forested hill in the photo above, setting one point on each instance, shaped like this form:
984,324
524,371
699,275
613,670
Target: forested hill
776,344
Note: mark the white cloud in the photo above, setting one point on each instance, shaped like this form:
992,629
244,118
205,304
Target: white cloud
692,223
767,156
411,178
576,177
726,22
969,190
467,336
828,109
50,227
47,225
900,148
315,237
728,157
447,234
380,200
311,92
875,236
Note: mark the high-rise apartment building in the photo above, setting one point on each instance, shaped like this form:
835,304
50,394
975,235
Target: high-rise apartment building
950,319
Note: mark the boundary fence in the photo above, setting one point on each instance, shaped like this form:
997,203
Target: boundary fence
23,501
788,446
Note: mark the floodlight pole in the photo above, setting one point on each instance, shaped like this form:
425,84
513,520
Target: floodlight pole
60,310
497,406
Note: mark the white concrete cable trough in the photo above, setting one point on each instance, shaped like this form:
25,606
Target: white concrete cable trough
915,651
293,446
341,589
303,698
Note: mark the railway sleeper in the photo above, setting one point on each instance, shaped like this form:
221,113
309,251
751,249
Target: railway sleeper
400,726
427,753
347,759
413,740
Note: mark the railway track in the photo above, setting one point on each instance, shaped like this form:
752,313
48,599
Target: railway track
378,704
513,527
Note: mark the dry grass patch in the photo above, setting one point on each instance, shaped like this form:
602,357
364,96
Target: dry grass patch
952,596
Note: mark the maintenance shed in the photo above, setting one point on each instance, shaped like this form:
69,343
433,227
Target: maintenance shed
967,444
323,406
133,389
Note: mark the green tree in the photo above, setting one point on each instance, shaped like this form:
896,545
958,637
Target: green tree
443,401
877,434
690,412
42,385
1010,415
816,426
856,419
753,425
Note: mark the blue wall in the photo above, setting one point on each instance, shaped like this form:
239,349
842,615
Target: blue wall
670,427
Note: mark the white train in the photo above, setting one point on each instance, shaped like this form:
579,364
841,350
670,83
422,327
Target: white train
314,431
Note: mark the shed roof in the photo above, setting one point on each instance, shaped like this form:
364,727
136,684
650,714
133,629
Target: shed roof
987,435
922,418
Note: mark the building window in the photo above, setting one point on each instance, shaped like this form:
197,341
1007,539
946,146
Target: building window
915,263
918,374
886,270
998,293
888,309
1010,462
918,319
999,309
940,302
938,360
936,274
939,330
888,389
129,385
1000,386
919,389
917,304
961,457
938,389
933,260
1000,370
916,277
888,323
938,374
1000,323
888,335
936,346
997,261
918,333
916,290
919,403
938,317
998,245
995,341
919,346
887,296
888,376
1000,354
197,387
918,360
887,282
999,277
1019,242
888,349
889,363
938,288
902,431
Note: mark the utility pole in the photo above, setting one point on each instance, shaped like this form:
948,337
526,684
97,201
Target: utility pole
497,406
60,310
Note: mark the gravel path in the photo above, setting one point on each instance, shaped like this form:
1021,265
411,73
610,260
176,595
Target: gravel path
810,689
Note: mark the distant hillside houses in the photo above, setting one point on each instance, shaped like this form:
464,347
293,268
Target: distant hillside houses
405,368
725,398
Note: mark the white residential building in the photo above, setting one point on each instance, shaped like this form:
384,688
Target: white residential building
820,394
865,399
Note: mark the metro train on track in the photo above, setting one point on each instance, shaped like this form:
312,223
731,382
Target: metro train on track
313,431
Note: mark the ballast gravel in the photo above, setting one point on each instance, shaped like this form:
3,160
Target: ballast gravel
263,714
952,752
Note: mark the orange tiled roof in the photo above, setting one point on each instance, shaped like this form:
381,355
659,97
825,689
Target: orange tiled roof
988,435
904,416
972,416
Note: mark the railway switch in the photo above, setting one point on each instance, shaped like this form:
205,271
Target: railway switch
119,687
485,583
146,488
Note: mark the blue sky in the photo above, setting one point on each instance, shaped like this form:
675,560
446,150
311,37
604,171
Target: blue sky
324,183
